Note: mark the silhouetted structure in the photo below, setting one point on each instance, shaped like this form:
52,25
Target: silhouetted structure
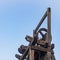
39,48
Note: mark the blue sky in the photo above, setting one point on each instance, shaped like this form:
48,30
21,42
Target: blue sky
19,17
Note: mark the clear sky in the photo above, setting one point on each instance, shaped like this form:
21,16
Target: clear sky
19,17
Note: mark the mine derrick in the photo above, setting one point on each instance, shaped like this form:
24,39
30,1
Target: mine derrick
39,48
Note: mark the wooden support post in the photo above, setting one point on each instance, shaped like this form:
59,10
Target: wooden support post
49,38
31,54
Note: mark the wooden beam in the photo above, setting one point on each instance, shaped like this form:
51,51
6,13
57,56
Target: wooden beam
24,54
41,21
49,37
17,56
39,48
28,38
31,54
26,51
22,49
